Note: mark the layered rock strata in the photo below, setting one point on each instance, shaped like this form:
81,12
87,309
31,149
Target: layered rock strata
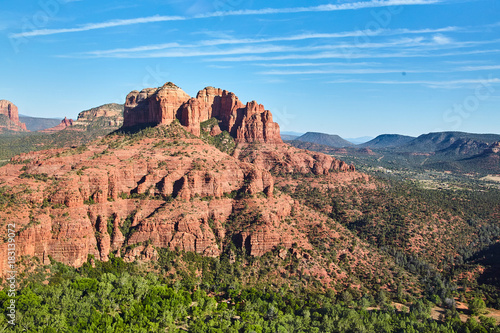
246,123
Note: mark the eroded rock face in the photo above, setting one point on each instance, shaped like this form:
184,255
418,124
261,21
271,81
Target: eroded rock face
283,158
246,123
105,116
9,110
153,106
170,193
129,195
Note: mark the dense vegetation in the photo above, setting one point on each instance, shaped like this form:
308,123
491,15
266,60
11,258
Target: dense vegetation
437,235
118,297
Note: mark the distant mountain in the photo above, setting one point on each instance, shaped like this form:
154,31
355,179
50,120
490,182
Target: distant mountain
360,140
325,139
291,133
451,143
37,124
286,137
387,141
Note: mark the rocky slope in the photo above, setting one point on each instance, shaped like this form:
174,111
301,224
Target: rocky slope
162,187
9,117
246,123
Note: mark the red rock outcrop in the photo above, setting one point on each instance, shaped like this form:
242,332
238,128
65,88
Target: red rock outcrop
63,125
153,106
245,123
9,110
107,116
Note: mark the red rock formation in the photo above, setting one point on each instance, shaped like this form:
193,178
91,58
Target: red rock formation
153,106
63,125
246,123
85,190
10,110
172,191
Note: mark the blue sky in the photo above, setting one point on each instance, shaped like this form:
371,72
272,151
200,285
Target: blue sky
352,68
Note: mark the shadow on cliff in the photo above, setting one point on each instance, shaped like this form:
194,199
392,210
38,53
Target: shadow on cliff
133,129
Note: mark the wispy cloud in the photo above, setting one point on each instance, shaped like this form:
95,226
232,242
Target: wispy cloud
316,64
444,84
441,40
480,68
202,52
324,8
228,40
351,56
344,49
361,71
246,12
94,26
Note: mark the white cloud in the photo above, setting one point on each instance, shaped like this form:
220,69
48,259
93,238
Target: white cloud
182,53
316,64
345,47
361,71
94,26
480,68
441,40
350,56
323,8
265,11
444,84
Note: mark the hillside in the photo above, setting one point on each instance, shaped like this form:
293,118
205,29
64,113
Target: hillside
458,143
387,141
325,139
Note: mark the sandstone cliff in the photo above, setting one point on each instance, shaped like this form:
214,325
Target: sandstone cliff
245,123
108,116
153,106
10,120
